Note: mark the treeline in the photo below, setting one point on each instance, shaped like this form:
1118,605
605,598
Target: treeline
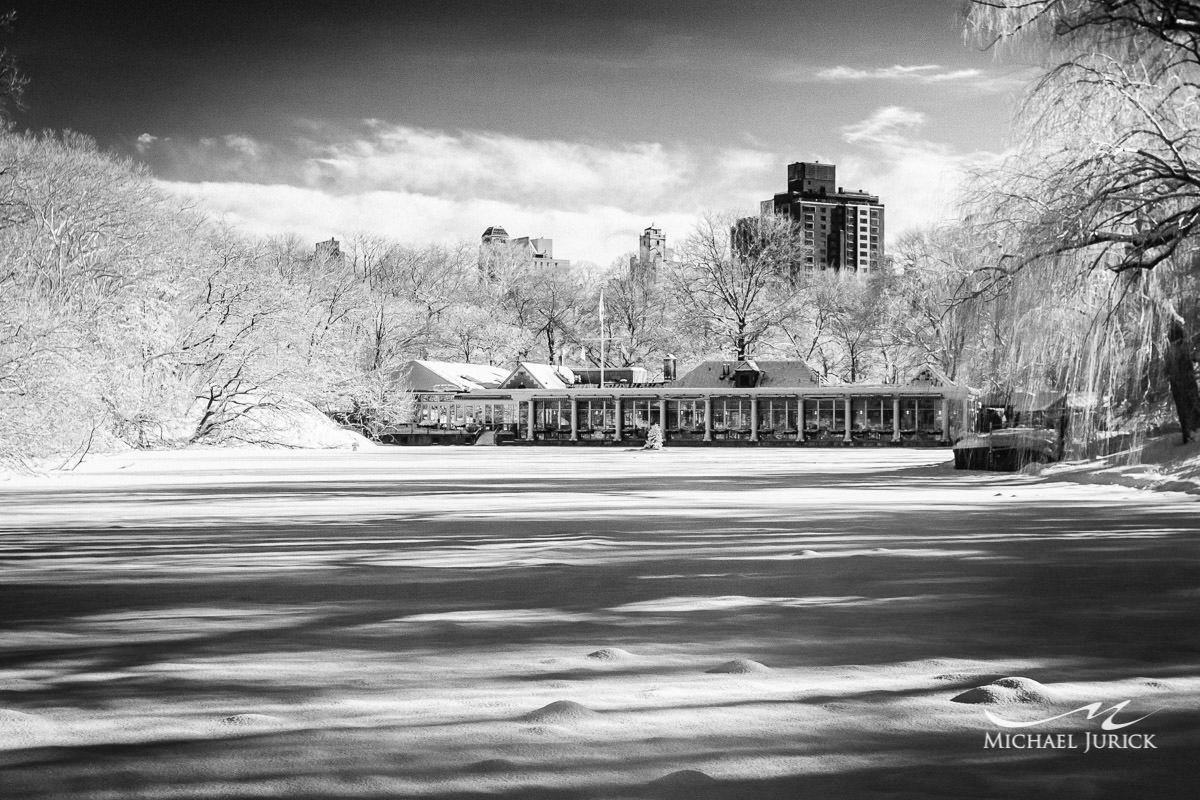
129,319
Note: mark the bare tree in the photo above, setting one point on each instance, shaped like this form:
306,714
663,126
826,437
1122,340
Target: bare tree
856,322
13,82
636,316
940,307
740,278
548,303
87,251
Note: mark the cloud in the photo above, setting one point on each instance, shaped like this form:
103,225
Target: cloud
415,184
917,178
589,232
967,78
592,198
923,73
145,142
887,125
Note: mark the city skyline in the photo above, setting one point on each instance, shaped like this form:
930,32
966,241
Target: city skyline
581,124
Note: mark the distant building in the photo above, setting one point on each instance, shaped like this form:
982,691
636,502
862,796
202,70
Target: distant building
652,254
844,229
719,403
495,235
537,251
326,252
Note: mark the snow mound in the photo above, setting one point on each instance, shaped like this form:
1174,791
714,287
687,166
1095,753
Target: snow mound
740,666
1006,691
560,711
287,422
250,720
610,654
683,783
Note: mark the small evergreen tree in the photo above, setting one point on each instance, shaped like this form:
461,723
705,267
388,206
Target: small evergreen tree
654,438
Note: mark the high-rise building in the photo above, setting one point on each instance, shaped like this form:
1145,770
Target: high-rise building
844,229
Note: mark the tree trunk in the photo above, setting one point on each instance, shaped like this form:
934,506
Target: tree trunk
1181,374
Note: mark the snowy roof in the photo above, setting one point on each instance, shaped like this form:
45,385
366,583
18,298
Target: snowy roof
443,376
527,375
708,374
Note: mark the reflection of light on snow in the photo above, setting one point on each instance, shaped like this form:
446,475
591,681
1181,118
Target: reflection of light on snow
503,617
928,552
724,603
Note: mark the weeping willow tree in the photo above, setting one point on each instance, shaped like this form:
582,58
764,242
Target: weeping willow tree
1097,211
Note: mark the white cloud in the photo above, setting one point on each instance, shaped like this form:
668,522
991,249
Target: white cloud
887,125
596,233
421,185
145,142
918,179
923,73
968,78
592,198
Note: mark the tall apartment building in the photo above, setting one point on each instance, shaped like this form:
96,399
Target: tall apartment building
845,229
537,251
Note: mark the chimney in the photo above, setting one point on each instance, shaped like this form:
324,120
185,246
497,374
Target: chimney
669,367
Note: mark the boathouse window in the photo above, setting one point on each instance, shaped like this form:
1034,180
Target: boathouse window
731,413
922,414
638,414
825,413
871,413
552,414
598,414
685,415
777,414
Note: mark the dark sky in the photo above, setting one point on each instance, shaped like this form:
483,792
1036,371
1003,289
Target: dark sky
280,92
561,68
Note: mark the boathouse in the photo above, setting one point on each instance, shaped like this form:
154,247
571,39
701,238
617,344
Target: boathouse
731,403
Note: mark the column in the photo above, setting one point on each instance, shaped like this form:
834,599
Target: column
708,418
754,418
945,420
847,438
574,419
529,421
617,419
800,418
895,419
662,416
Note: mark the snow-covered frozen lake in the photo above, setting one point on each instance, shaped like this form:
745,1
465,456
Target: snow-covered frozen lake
395,622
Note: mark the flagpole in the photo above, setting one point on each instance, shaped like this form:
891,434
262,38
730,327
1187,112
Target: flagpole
601,337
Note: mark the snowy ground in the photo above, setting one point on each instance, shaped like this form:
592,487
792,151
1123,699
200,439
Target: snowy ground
393,623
